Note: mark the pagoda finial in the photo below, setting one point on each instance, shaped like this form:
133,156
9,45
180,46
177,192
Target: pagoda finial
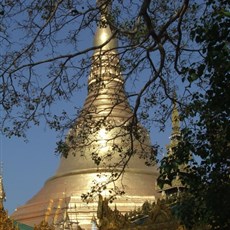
104,34
103,5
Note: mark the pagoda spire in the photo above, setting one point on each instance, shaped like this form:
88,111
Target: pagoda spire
106,95
176,133
2,192
176,185
5,221
175,117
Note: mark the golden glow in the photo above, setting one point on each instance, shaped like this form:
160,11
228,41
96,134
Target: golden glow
103,139
102,133
101,178
103,37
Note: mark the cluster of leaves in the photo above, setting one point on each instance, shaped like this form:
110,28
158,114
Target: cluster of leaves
5,221
44,226
151,216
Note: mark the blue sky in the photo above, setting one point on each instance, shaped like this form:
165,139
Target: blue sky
26,166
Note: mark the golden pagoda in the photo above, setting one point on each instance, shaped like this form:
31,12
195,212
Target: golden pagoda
107,151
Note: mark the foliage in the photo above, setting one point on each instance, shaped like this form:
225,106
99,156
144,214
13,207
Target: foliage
6,222
205,145
151,216
44,226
